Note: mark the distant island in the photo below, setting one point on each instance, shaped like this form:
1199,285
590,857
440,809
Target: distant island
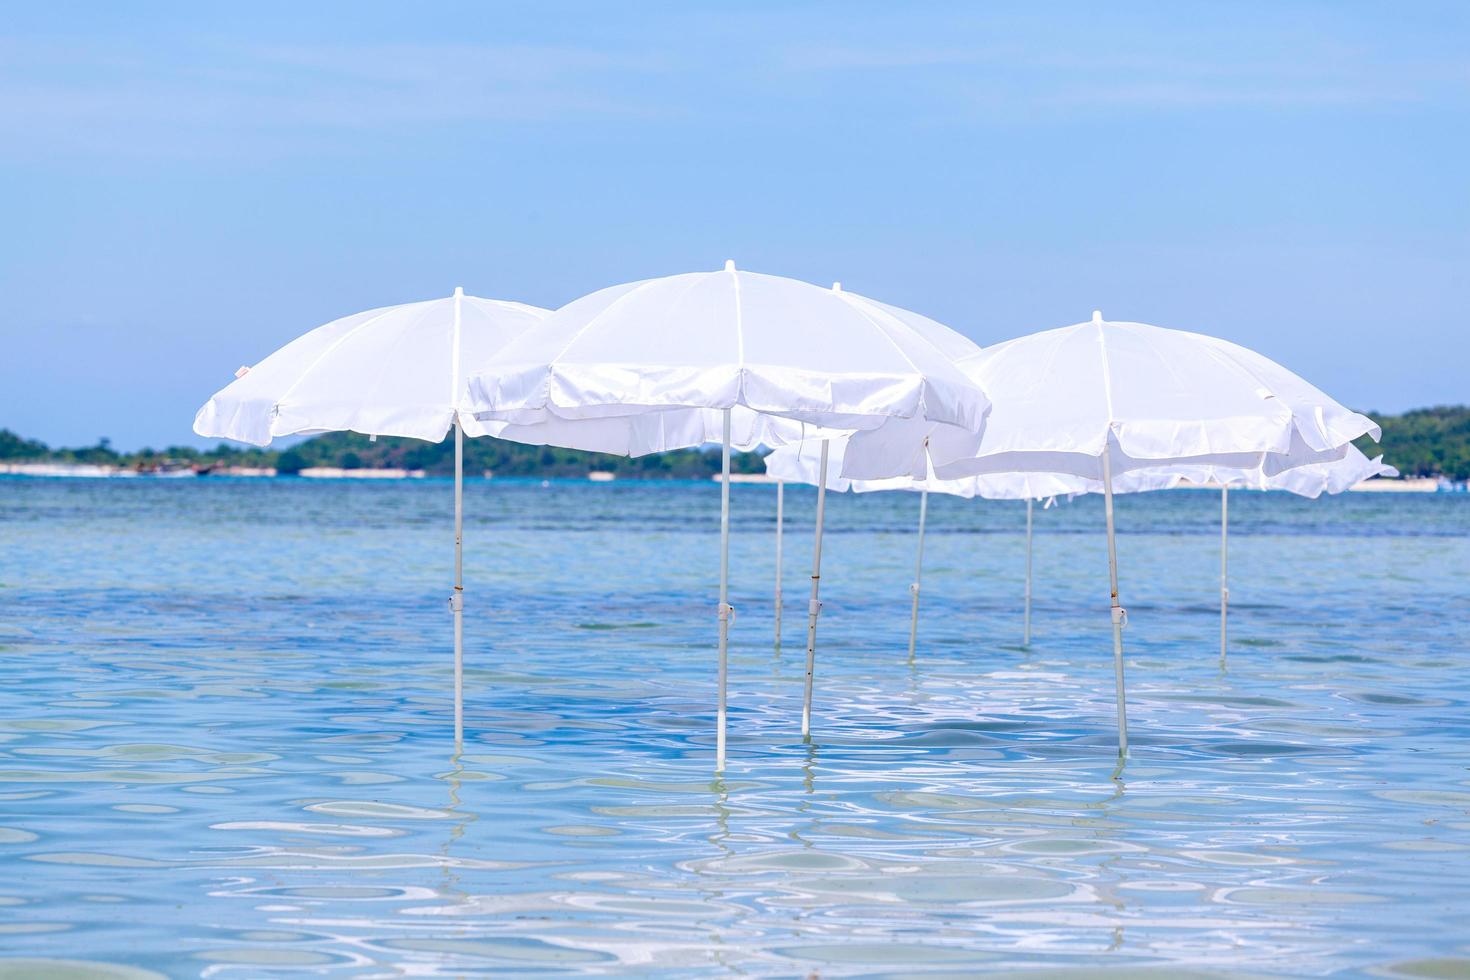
351,451
1425,442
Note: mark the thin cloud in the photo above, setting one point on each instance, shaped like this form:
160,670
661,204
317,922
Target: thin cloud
119,98
1021,77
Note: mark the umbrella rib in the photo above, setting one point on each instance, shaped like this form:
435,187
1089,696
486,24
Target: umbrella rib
852,302
454,368
1107,373
551,362
508,304
1148,340
335,344
1221,357
739,322
1211,352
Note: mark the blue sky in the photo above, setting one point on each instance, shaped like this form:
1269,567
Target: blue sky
184,187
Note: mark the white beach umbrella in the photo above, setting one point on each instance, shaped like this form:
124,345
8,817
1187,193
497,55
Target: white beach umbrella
799,463
1311,481
741,359
1101,398
398,371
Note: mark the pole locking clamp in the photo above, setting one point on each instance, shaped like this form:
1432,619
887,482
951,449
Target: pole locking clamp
913,588
727,612
456,600
814,608
1120,617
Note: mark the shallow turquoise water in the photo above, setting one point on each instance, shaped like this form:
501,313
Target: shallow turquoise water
225,736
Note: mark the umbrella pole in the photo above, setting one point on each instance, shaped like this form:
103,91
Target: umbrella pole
780,523
457,599
1224,558
725,609
1026,616
918,573
1120,615
814,607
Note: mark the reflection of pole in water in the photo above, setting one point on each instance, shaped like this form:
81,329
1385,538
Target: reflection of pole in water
707,887
722,817
454,777
1110,894
809,785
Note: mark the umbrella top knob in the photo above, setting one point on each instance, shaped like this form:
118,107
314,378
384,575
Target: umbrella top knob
1097,317
458,291
729,265
837,287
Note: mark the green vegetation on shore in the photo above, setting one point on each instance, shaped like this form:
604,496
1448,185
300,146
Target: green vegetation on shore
349,450
1423,442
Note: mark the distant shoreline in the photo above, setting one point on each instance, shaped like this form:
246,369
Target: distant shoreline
85,471
1430,444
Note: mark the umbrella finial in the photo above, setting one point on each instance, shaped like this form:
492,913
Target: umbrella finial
837,287
729,265
458,292
1097,317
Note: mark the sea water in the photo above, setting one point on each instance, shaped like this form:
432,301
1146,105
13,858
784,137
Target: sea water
226,740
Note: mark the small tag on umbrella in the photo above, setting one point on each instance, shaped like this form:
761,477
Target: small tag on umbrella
244,370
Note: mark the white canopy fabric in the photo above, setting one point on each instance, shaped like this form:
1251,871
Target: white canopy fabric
799,463
1311,480
1155,396
660,354
395,371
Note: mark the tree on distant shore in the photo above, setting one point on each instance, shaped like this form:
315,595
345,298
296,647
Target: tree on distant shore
13,446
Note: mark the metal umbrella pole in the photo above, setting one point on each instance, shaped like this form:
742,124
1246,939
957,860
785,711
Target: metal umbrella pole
1026,615
456,598
780,525
814,606
1119,614
1224,567
725,610
918,574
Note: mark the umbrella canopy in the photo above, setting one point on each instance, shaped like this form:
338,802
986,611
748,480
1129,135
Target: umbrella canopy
799,463
395,371
398,371
1310,480
1154,396
665,357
